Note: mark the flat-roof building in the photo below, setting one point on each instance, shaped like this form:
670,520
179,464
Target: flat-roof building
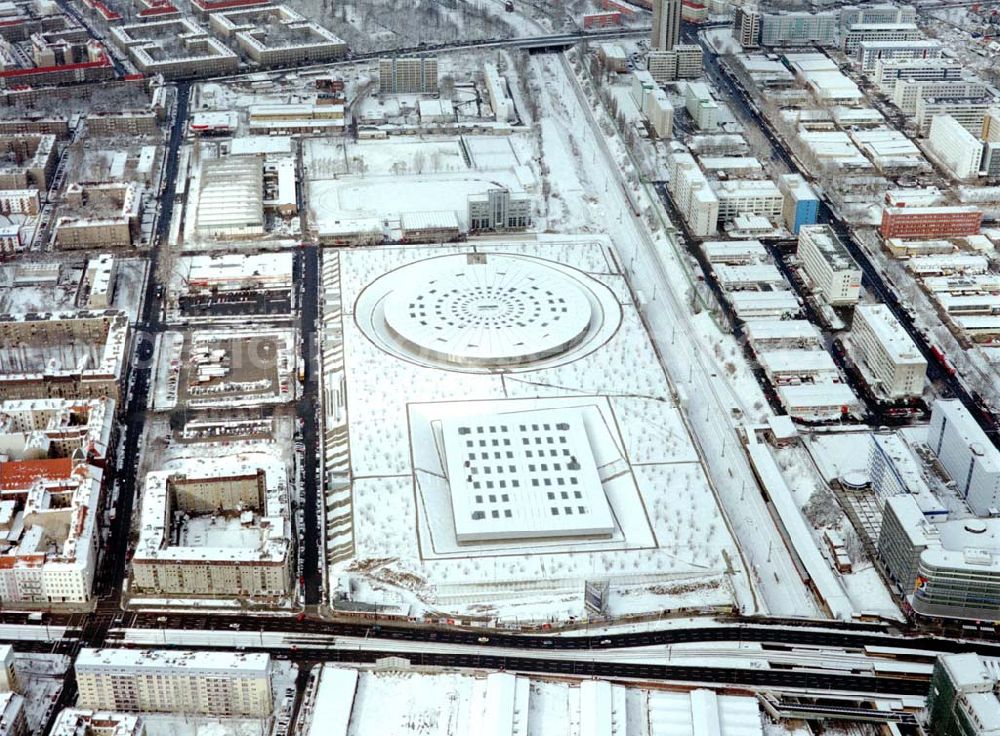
175,48
888,358
829,265
930,222
231,198
858,33
870,53
277,35
969,111
215,683
800,205
956,148
970,458
964,697
943,569
800,28
408,75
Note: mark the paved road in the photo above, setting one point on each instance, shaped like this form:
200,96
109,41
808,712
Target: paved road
872,279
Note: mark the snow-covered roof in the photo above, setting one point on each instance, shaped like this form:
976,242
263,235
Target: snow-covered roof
173,661
890,333
524,474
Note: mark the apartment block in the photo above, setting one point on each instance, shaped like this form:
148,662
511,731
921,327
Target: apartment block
870,53
746,26
907,92
175,48
828,265
890,362
210,683
862,32
969,111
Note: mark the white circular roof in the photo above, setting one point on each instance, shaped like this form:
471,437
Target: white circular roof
489,311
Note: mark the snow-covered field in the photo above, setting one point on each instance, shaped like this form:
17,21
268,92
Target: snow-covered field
671,545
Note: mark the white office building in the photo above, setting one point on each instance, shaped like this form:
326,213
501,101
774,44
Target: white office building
660,113
215,683
887,357
861,32
702,108
828,265
969,111
907,91
967,454
692,194
870,53
889,71
955,147
749,197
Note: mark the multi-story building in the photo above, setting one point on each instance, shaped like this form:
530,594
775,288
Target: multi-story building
930,222
27,160
692,194
943,569
889,71
690,61
990,164
798,28
126,122
82,722
907,92
702,108
10,238
748,197
9,680
205,8
12,719
964,697
990,131
666,24
104,335
662,65
19,202
955,147
56,125
801,205
746,26
277,34
894,470
252,491
828,265
496,90
175,48
862,32
969,111
408,75
499,209
87,62
879,13
889,360
660,113
112,218
870,53
175,681
967,454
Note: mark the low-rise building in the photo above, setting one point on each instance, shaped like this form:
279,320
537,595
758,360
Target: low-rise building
231,198
83,722
175,681
783,334
889,360
429,227
829,265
